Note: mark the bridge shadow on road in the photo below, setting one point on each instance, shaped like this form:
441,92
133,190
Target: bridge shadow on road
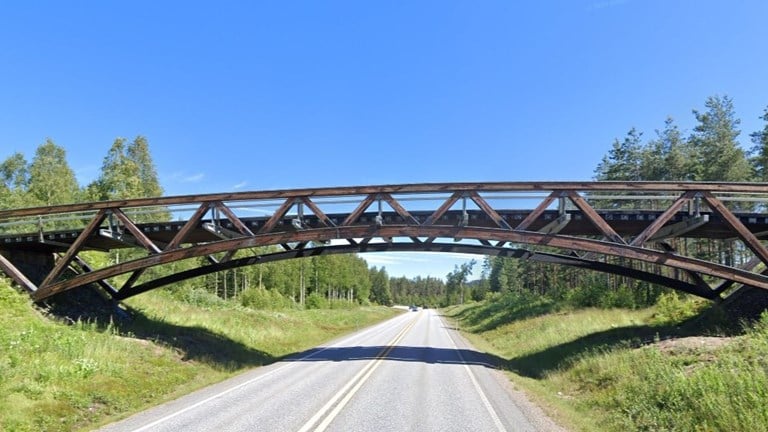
416,354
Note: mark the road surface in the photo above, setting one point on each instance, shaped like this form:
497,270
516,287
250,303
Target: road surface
410,373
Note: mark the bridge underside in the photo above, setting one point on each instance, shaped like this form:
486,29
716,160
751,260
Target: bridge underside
573,224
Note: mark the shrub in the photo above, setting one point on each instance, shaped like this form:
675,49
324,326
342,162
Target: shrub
316,301
259,298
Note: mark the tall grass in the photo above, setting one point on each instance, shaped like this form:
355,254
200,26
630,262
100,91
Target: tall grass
59,377
627,370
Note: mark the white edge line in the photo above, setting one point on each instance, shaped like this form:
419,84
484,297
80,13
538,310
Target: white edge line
487,403
251,381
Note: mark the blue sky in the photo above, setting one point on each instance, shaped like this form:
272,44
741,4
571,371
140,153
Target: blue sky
267,95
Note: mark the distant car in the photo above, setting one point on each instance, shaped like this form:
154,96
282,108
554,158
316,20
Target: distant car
414,308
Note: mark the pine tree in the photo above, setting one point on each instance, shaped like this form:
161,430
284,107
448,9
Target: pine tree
623,161
714,140
759,152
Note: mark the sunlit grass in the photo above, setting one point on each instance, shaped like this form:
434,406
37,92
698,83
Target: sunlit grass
58,377
620,370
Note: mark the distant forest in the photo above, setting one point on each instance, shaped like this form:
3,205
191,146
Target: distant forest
711,152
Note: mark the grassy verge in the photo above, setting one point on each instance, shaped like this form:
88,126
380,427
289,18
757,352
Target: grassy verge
622,370
57,377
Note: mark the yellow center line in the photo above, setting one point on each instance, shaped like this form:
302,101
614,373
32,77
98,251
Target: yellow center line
355,383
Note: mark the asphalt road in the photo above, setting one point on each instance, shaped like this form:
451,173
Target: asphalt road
411,373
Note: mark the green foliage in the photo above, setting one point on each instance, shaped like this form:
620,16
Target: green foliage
673,307
623,161
316,301
719,156
380,291
51,180
264,299
759,152
58,377
419,291
619,370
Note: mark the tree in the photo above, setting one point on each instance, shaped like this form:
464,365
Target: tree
380,292
456,281
623,161
759,152
138,153
51,180
14,181
719,156
668,157
118,179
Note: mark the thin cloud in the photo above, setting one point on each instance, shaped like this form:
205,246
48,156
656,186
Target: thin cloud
240,185
181,177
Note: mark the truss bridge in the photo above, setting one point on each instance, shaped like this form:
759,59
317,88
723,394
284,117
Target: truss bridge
624,228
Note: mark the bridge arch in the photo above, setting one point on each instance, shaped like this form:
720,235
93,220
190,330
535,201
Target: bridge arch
587,222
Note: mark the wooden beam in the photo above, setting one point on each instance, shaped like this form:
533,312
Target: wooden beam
233,218
321,216
193,221
491,234
593,217
613,186
487,209
16,275
409,219
73,250
133,229
665,217
361,208
537,212
277,216
749,239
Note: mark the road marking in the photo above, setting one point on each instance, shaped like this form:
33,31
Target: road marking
355,383
241,385
486,402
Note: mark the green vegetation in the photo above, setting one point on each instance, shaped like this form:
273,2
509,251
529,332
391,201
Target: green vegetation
626,370
59,377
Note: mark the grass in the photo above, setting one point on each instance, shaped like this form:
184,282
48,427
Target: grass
626,370
63,377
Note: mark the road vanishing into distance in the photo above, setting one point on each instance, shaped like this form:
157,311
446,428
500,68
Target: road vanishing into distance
410,373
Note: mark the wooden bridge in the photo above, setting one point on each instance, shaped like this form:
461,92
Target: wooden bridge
580,224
